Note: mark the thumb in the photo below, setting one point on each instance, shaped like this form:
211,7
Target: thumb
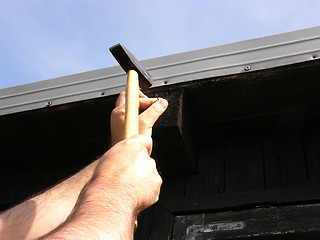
148,118
144,141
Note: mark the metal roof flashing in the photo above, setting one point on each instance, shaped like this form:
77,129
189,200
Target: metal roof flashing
240,57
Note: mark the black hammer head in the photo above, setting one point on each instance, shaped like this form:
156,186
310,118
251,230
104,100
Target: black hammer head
128,62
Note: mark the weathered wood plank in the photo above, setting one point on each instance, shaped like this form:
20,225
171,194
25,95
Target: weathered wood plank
244,162
254,94
211,167
284,156
242,199
311,138
173,145
287,221
194,188
210,176
155,224
11,187
173,188
180,223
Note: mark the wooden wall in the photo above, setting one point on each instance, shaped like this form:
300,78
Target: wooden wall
239,155
255,160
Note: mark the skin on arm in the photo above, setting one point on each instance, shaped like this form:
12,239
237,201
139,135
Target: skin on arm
125,183
45,212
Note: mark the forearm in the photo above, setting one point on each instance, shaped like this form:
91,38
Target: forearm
125,182
105,212
102,212
44,212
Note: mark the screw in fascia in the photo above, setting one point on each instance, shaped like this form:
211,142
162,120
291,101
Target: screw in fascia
49,104
247,68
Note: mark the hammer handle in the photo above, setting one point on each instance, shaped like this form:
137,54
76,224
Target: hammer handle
131,121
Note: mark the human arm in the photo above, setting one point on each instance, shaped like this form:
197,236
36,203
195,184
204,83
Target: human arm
125,182
44,212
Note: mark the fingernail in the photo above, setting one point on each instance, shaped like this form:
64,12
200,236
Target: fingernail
163,102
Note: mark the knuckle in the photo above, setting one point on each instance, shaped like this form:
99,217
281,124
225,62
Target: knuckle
160,181
157,108
132,144
114,112
128,142
117,111
146,123
121,95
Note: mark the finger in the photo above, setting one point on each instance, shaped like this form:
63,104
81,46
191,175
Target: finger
144,103
144,141
151,114
121,99
142,95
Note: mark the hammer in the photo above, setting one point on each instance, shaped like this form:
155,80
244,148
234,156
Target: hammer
137,76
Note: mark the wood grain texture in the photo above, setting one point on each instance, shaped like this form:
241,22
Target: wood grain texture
288,222
284,156
244,162
173,143
131,119
242,200
155,223
311,137
257,137
211,167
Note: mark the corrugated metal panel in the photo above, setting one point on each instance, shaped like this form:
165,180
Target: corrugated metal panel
260,53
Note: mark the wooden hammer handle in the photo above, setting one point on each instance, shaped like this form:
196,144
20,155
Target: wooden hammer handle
131,121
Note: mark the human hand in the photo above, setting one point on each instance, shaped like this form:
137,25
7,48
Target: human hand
124,183
153,109
128,171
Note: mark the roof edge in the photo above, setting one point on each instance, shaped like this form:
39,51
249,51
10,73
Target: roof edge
233,58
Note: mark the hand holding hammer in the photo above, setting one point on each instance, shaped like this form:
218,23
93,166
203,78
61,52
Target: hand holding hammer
137,78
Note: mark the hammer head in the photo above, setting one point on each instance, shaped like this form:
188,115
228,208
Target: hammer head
128,62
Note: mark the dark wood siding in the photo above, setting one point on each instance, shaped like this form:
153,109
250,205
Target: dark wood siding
241,148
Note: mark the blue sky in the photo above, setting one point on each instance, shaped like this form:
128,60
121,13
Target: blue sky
43,39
